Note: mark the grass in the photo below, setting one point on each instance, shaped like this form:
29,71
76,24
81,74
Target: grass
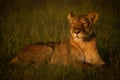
23,22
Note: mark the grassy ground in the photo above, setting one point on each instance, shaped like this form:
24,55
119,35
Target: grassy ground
28,21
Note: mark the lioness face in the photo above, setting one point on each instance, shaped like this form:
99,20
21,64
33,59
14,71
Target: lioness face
81,26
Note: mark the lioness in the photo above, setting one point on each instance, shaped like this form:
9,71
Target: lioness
79,49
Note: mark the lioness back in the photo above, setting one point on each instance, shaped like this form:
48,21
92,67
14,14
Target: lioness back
38,53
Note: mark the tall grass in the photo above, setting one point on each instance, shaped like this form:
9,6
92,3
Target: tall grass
23,22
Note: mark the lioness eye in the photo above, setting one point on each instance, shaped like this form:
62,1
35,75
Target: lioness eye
73,24
85,25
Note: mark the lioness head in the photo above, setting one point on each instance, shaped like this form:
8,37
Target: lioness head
81,26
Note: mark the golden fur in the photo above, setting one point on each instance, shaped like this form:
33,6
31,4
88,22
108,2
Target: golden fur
37,54
80,49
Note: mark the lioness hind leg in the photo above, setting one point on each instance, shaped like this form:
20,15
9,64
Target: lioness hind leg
35,53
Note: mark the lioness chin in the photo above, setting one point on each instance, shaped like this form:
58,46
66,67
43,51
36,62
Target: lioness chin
80,49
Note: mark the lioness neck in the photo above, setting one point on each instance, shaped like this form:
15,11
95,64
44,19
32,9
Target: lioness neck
75,43
82,44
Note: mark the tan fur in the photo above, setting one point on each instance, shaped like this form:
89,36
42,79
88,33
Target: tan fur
80,49
37,54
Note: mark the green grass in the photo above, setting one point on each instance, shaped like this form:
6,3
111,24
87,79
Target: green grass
23,22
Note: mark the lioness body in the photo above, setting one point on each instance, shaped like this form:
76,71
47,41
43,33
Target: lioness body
37,54
79,49
67,54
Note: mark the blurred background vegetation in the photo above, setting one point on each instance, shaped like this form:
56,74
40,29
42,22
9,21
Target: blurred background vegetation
23,22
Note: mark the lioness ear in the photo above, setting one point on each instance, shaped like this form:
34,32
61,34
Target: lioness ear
70,17
93,17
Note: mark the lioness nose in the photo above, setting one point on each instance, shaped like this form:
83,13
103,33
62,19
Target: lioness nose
77,31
